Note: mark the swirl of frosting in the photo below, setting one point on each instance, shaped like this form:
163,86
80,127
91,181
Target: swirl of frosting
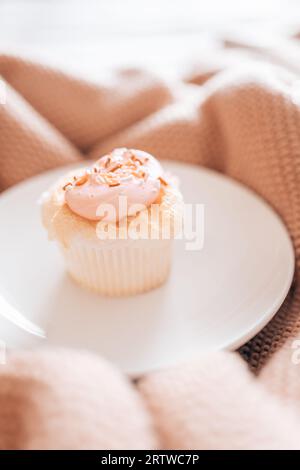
134,174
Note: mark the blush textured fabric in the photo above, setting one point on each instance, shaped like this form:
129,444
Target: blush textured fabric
243,121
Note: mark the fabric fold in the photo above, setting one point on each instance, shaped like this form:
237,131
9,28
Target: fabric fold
62,399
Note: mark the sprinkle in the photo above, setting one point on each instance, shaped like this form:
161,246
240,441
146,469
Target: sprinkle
136,159
162,180
114,168
107,162
81,180
139,174
114,183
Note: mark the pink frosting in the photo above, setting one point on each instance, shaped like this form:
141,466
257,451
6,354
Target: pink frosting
131,173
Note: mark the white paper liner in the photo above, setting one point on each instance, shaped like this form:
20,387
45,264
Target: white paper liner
121,268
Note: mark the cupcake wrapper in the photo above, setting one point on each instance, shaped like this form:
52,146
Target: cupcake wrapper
122,270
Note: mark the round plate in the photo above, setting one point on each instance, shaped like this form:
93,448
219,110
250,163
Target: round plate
217,297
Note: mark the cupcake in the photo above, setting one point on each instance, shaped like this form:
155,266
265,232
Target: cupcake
115,222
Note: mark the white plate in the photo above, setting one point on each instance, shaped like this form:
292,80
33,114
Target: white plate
216,298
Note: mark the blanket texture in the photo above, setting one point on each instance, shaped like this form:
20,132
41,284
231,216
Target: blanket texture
243,121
